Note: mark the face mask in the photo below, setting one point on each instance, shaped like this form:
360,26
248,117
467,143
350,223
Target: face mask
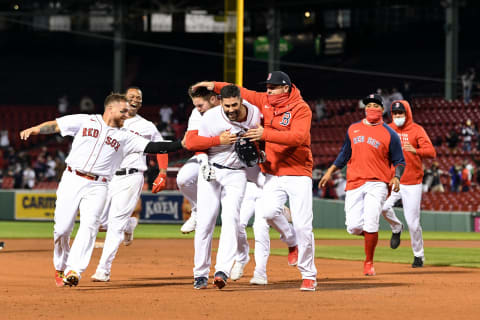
399,121
277,99
374,115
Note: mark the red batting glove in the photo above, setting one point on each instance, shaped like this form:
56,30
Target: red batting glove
160,183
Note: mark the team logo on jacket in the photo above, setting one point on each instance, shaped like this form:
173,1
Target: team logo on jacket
286,119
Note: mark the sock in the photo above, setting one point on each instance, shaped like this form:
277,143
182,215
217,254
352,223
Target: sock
371,240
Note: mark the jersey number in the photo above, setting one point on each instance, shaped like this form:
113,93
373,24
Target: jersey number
286,119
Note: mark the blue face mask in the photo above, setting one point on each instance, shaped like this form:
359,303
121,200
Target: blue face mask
399,122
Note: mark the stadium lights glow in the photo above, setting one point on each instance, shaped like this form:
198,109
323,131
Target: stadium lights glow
16,7
307,14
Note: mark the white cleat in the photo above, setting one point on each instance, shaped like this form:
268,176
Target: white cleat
189,225
257,280
101,277
237,271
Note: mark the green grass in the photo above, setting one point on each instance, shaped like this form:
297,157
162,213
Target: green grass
464,257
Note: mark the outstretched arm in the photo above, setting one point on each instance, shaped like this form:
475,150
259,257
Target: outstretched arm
164,146
48,127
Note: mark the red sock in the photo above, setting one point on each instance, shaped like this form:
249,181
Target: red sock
371,240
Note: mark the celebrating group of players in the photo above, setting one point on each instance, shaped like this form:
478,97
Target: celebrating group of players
252,156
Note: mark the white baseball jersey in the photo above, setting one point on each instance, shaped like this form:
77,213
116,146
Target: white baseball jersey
98,148
146,129
215,121
194,120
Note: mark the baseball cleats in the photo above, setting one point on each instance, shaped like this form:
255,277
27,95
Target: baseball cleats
417,262
71,278
368,268
100,276
200,283
189,225
2,245
59,278
128,236
237,271
258,280
292,256
308,285
395,239
220,279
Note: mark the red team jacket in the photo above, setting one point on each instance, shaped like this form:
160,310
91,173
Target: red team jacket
418,138
369,151
286,133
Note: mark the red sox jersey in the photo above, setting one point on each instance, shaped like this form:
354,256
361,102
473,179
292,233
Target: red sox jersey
146,129
98,148
369,151
215,121
194,120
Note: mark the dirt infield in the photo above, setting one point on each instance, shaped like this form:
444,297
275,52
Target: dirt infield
152,279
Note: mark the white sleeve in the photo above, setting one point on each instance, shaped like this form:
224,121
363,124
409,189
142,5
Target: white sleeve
134,143
69,125
156,136
194,120
203,127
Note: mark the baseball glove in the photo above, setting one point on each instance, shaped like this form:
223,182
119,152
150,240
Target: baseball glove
248,152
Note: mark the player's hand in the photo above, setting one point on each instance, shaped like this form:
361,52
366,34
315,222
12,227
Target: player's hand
210,85
160,183
184,139
323,182
254,134
408,147
227,138
395,182
27,132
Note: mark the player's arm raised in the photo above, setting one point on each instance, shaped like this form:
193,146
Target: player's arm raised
48,127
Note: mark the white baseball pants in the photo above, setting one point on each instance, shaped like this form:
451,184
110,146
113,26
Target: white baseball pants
227,190
187,182
411,196
363,207
123,194
76,193
298,190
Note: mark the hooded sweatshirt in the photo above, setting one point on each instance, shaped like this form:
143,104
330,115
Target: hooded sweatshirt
418,138
286,132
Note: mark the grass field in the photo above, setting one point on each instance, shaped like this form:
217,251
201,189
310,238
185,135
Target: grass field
463,257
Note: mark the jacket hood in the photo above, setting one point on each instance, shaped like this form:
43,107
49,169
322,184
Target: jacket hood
293,99
408,115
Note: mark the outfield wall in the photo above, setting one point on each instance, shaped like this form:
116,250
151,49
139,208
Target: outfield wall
166,207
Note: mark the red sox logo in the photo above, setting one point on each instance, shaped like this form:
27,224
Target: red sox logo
91,132
286,119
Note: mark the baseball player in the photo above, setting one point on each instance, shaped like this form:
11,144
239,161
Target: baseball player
251,205
203,100
288,165
223,183
126,186
99,146
370,148
416,146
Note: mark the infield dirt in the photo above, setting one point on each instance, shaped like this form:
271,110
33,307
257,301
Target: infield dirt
152,279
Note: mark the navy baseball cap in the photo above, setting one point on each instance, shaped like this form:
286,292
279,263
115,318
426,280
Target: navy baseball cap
375,98
397,106
278,78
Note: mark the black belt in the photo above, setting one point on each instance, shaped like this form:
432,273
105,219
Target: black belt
219,166
123,172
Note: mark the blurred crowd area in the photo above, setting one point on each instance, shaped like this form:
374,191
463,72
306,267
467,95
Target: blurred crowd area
453,127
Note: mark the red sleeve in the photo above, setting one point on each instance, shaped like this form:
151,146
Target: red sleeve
162,160
298,133
195,142
425,147
254,97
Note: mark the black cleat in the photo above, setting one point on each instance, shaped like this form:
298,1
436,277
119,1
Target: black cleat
417,262
200,283
395,240
220,279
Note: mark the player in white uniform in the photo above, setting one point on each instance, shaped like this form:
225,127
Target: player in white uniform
226,190
203,100
252,205
125,188
99,146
